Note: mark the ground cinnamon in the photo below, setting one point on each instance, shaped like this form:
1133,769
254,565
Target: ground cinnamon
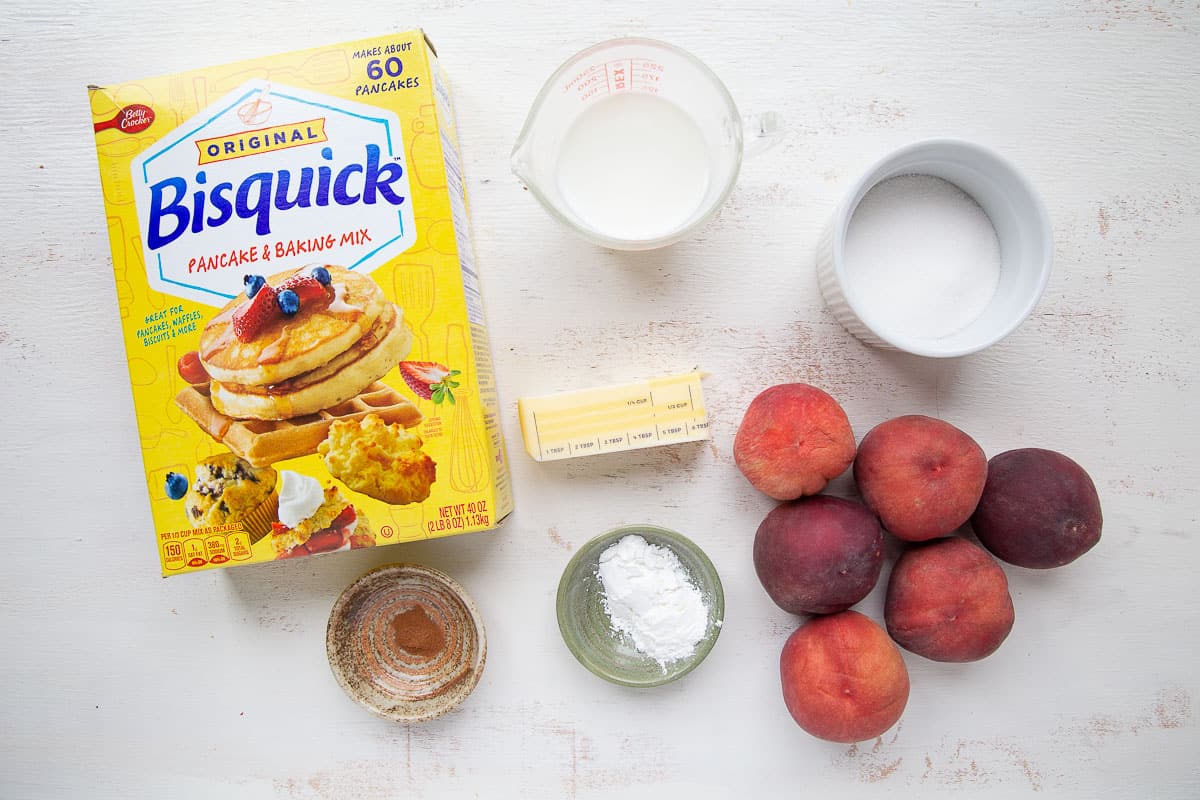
414,632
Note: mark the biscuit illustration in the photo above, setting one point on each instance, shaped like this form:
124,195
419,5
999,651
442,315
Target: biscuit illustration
380,460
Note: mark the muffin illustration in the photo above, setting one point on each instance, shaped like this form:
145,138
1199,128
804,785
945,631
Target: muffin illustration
380,460
229,490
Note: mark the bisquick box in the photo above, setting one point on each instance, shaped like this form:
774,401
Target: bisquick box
343,156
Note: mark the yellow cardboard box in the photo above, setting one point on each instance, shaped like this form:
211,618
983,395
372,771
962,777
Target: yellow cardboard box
361,408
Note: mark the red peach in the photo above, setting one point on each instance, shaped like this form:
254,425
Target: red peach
948,600
793,440
1039,509
818,555
843,679
922,476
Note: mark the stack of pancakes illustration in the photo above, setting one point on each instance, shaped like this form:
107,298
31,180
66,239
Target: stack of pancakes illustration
299,350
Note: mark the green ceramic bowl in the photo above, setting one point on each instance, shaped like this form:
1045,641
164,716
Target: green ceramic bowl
585,625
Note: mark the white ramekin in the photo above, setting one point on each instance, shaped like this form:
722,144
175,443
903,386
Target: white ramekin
1022,228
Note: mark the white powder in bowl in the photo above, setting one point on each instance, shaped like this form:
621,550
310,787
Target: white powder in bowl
649,598
921,256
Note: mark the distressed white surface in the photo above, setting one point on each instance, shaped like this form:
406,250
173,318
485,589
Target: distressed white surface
119,684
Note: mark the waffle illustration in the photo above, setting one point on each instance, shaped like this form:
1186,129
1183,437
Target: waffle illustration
263,442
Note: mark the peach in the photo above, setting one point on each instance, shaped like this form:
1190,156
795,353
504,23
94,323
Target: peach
843,679
818,555
948,600
922,476
1039,509
793,440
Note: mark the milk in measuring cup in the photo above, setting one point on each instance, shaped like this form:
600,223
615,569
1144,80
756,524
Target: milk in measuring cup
633,166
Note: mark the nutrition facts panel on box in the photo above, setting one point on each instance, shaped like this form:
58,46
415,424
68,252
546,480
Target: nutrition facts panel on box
458,208
199,547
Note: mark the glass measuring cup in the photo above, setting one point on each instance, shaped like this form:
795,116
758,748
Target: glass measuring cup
603,153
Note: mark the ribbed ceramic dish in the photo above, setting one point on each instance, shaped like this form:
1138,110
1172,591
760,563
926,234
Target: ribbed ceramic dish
587,629
1016,212
382,676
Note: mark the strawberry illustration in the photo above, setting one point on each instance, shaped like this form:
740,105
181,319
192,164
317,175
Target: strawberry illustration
306,287
430,380
253,314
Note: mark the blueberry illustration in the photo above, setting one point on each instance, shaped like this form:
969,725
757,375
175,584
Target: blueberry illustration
177,485
289,302
322,275
253,284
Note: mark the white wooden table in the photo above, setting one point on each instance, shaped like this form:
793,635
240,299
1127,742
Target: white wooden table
116,683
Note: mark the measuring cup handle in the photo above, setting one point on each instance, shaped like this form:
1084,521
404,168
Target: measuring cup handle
760,132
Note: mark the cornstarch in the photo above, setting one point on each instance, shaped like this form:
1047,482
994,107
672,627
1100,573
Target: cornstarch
921,256
649,598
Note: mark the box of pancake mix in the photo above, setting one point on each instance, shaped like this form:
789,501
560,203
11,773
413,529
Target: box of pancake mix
310,368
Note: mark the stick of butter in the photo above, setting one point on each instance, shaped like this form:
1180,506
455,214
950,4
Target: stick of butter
609,419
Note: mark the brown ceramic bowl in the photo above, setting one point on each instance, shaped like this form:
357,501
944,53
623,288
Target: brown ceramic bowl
406,642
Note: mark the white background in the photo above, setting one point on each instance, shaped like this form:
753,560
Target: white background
116,683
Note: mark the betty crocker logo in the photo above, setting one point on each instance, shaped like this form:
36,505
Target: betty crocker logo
133,118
